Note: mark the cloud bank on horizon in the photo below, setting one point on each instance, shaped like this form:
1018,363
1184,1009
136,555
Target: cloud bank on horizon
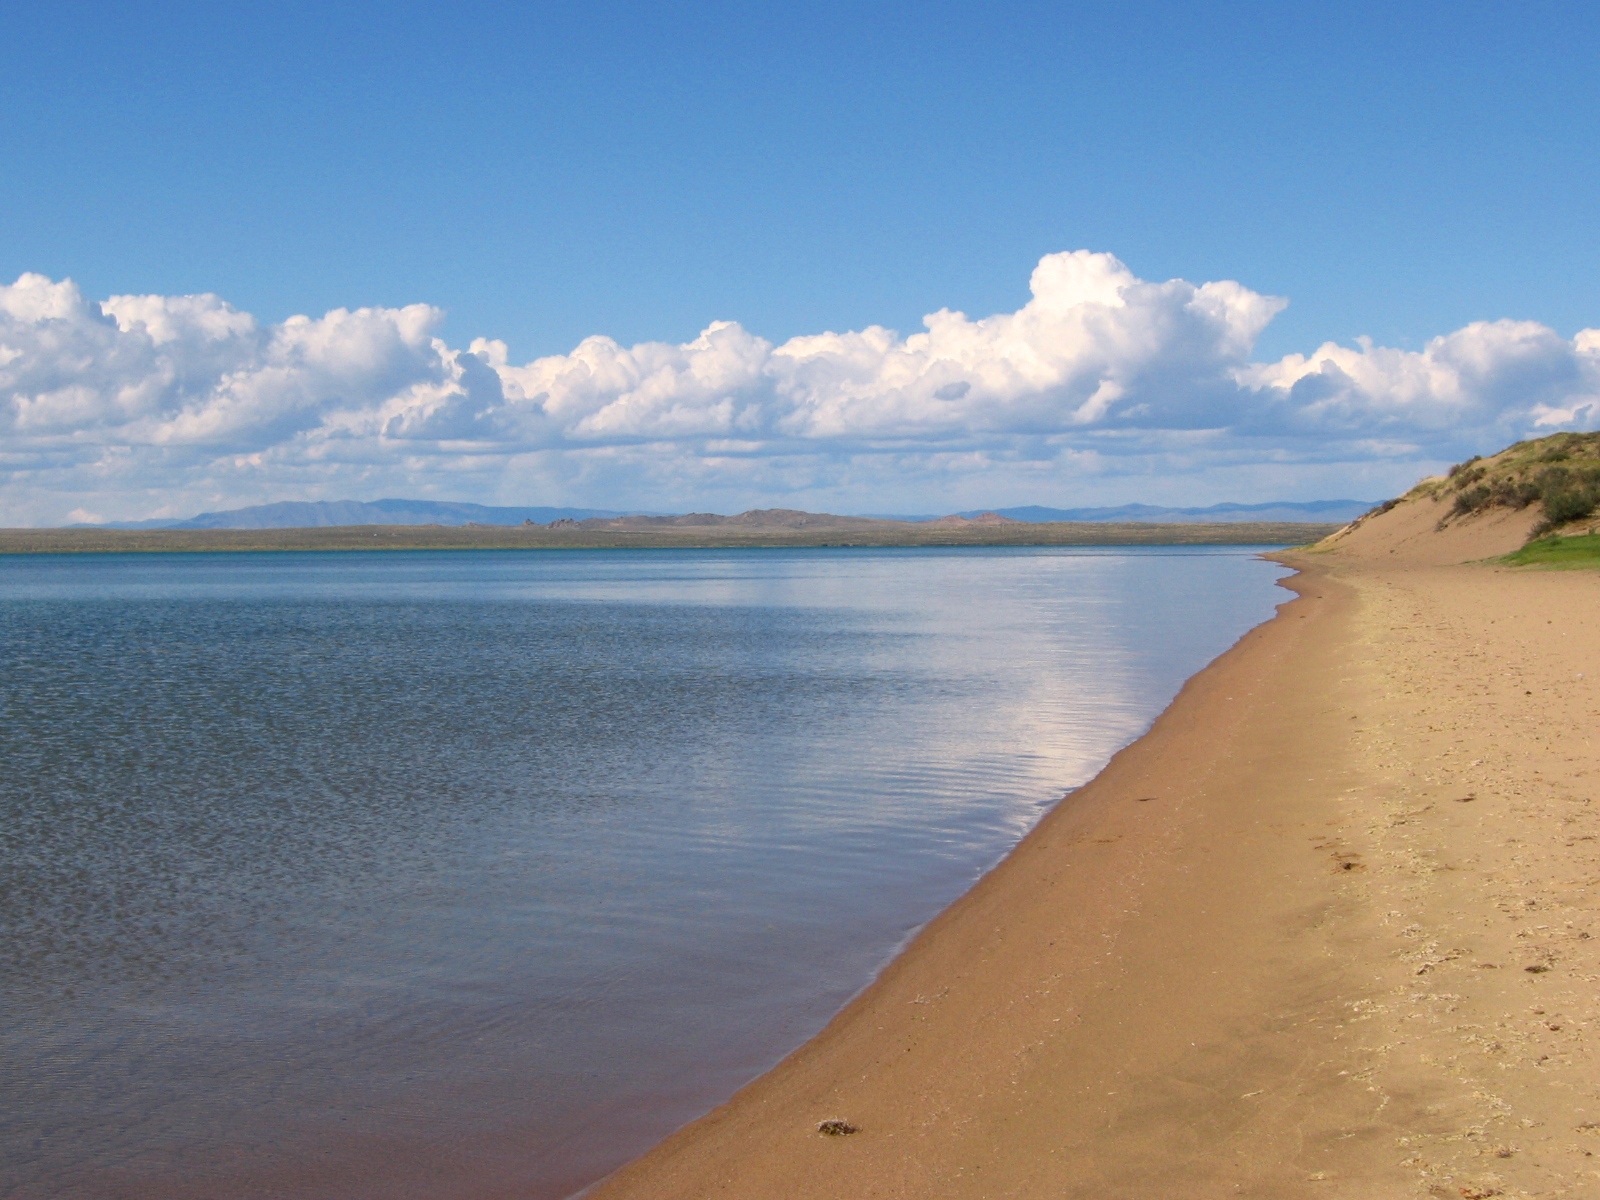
158,405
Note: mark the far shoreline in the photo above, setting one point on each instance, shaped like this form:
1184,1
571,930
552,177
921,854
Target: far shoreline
537,537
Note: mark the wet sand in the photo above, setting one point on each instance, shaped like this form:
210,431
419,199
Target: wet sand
1324,931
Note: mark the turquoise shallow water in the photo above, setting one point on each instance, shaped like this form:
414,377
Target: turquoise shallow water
473,874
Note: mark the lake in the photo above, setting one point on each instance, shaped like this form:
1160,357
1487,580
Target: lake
473,874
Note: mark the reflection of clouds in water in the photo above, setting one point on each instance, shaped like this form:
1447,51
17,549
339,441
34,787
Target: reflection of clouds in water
1017,674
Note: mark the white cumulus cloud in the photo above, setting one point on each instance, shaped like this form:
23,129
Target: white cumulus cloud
149,405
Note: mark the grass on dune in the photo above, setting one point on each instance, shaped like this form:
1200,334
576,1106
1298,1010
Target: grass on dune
1580,551
1561,473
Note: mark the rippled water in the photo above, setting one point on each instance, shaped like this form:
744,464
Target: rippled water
473,874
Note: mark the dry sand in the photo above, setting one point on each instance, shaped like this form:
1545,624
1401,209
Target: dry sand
1325,931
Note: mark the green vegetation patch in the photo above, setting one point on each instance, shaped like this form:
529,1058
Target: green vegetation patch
1580,551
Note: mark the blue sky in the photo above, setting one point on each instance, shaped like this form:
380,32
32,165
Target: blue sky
540,174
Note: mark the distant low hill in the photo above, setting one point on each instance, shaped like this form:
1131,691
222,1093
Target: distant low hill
1320,511
322,514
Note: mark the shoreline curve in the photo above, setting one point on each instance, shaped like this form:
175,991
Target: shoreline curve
1263,952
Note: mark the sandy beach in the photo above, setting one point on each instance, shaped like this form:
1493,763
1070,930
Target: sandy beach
1327,930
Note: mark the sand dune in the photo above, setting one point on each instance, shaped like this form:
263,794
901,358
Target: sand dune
1328,930
1411,535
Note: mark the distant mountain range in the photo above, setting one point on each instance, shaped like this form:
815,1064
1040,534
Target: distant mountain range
314,514
318,514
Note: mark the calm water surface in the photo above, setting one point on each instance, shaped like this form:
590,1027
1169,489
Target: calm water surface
473,874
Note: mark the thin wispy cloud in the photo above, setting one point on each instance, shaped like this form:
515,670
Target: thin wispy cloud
149,405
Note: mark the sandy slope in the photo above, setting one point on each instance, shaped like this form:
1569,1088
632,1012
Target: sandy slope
1414,534
1272,950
